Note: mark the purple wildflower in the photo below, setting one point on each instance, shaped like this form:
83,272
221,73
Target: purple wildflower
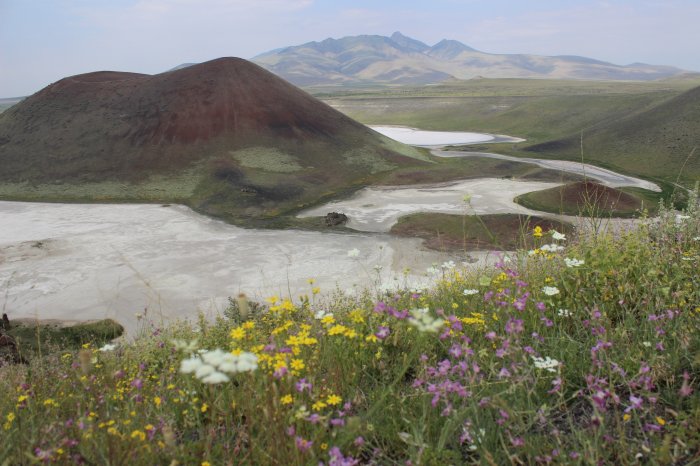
302,385
303,445
382,332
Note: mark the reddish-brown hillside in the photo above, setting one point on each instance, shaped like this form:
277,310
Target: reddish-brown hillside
230,121
122,124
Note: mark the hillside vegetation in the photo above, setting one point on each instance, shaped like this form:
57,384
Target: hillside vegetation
647,129
663,140
578,351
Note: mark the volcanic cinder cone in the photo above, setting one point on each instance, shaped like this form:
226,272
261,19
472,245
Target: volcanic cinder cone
247,137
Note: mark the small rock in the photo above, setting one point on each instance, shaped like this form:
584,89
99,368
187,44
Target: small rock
335,218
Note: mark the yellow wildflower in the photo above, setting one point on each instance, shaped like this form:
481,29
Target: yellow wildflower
287,399
238,333
137,434
537,233
357,316
272,299
297,364
328,320
334,400
9,419
337,330
318,406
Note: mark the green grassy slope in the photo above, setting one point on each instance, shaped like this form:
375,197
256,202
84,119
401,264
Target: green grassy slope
652,142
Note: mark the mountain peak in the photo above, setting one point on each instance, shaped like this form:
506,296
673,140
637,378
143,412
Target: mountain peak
448,49
408,43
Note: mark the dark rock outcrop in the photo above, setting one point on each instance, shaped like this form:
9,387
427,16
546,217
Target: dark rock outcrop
9,353
335,218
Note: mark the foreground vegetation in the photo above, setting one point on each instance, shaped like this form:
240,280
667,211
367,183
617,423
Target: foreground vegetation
577,351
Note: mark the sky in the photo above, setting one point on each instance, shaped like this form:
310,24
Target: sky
42,41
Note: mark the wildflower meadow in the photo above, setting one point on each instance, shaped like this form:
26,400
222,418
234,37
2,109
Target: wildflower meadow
582,350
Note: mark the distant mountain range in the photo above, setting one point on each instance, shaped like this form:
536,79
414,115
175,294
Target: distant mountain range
402,60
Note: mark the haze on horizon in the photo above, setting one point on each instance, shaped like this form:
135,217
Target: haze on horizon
45,40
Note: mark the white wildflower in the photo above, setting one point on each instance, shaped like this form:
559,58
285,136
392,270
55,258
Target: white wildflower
211,367
532,252
216,357
547,363
215,377
573,262
564,313
433,270
558,236
449,265
354,252
680,218
550,290
108,347
247,362
697,238
470,291
190,365
185,346
321,314
424,322
204,370
646,344
552,248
